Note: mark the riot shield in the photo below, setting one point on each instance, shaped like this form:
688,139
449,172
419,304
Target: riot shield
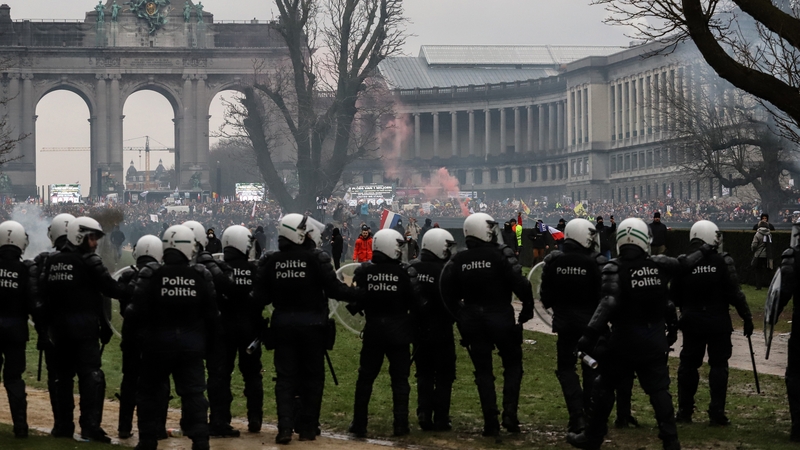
771,308
535,277
338,309
110,307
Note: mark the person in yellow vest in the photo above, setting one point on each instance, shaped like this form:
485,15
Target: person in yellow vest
517,228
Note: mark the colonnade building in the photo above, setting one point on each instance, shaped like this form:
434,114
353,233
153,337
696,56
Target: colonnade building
580,122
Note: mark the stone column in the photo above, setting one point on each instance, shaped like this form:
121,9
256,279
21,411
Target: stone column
488,114
435,134
560,125
188,135
542,130
101,150
14,110
502,131
517,130
551,122
454,133
115,117
471,132
530,129
417,137
201,104
579,116
587,127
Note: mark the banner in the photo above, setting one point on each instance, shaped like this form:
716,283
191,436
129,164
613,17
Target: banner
65,193
250,192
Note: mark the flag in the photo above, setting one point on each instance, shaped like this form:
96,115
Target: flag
389,219
525,208
579,210
253,214
154,218
557,235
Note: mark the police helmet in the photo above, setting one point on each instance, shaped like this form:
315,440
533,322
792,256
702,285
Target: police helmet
78,229
199,233
294,227
583,233
13,233
148,245
634,231
315,229
389,242
58,227
706,231
795,239
439,242
238,237
181,238
482,226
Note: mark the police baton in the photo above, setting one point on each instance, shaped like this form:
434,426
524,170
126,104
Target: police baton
39,370
253,346
753,360
330,366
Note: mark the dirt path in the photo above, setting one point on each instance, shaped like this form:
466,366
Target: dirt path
40,418
775,365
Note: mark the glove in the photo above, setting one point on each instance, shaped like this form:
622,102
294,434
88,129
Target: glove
707,249
588,341
43,343
672,335
105,334
748,326
526,314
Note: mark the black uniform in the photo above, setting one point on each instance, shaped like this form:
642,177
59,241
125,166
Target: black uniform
298,280
483,277
16,305
241,325
790,288
175,311
704,296
635,301
73,282
571,287
388,297
434,347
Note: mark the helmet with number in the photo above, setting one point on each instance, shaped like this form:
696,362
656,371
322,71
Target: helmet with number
439,242
634,231
181,238
389,242
148,245
583,233
58,227
81,227
294,227
199,233
706,231
238,237
13,233
482,226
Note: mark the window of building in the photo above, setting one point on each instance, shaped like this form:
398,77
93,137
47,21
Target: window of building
509,175
612,194
493,176
579,195
586,195
635,161
367,176
648,191
628,162
612,165
689,189
462,177
613,116
544,173
477,176
534,174
521,175
680,190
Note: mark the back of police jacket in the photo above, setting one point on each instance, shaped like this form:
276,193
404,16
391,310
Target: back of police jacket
432,311
16,295
72,287
571,286
484,276
388,296
174,306
298,281
241,314
705,293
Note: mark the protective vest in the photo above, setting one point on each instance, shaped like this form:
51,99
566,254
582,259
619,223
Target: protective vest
240,312
571,286
518,232
643,295
429,270
295,281
702,296
72,304
14,300
484,277
387,300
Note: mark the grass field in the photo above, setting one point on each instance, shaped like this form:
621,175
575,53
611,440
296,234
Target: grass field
759,421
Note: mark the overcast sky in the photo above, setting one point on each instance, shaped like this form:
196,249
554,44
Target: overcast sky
63,116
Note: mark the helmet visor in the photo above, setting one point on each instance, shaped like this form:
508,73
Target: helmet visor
494,228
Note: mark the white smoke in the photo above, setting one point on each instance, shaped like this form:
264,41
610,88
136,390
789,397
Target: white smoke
32,218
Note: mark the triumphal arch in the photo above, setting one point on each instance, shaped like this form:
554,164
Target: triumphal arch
172,47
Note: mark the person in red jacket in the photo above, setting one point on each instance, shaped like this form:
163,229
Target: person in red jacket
363,248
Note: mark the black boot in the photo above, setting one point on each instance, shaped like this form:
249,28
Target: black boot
18,405
284,436
400,394
93,388
582,441
718,386
683,416
441,406
573,396
358,426
401,425
488,397
672,444
576,424
254,422
125,423
718,418
512,381
223,431
358,430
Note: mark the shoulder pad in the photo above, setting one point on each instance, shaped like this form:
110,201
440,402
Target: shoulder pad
322,257
200,268
151,265
411,270
41,257
92,259
552,256
147,271
611,267
788,253
28,263
601,259
205,258
507,252
728,259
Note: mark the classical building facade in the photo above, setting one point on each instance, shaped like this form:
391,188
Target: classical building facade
579,122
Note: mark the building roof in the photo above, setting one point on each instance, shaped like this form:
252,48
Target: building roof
463,65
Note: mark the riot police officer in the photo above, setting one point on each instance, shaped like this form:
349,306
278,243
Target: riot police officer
434,347
388,299
241,325
219,398
634,299
175,312
57,233
703,296
571,287
297,280
147,251
477,286
16,306
73,283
